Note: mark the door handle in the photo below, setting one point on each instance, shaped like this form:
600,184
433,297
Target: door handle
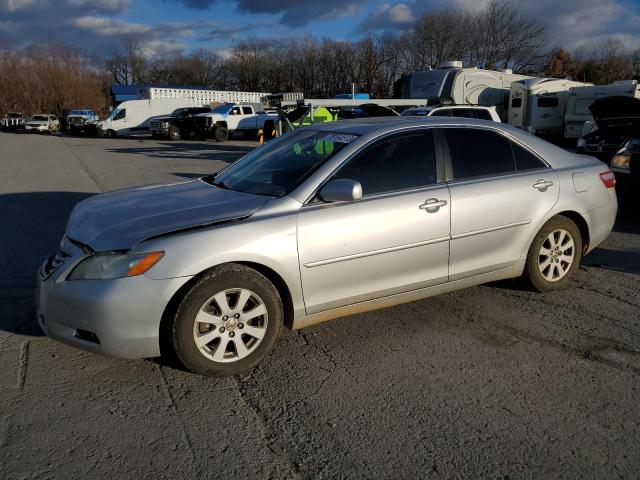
432,205
542,184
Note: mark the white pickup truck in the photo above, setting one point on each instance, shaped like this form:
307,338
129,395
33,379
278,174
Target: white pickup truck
228,118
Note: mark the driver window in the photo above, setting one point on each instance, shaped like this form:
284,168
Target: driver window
398,163
121,114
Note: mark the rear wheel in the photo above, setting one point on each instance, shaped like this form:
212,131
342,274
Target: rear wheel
228,322
109,134
554,255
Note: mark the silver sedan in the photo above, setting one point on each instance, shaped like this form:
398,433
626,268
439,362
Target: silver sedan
321,223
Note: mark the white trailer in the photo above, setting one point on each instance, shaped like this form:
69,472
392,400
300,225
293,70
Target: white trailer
134,116
460,86
201,96
538,104
581,98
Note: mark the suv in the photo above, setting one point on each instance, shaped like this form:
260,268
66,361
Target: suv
13,121
179,124
464,111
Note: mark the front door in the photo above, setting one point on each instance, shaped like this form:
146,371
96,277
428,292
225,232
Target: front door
395,239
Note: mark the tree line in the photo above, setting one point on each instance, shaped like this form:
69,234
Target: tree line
498,36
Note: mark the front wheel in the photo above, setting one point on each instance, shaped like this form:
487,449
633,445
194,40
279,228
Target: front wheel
554,255
228,322
221,134
174,133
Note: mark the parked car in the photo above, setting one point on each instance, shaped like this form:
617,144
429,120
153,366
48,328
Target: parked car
13,121
617,119
42,123
228,118
461,111
320,223
626,166
81,121
181,123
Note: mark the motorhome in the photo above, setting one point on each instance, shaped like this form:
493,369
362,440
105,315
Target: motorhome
537,105
134,116
451,83
581,98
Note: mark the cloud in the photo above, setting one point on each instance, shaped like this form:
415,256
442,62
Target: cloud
400,15
293,13
571,24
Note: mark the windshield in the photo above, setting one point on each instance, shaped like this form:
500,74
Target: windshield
113,113
222,109
180,112
78,112
39,118
282,164
428,84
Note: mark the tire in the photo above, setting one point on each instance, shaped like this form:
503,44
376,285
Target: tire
269,128
554,255
109,134
221,134
231,282
174,133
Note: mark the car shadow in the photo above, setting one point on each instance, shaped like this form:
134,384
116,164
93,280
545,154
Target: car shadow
33,224
187,151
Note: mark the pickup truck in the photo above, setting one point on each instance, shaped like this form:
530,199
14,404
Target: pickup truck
179,124
81,121
228,118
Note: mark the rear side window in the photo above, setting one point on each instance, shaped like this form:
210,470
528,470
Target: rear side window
399,163
516,102
483,114
477,153
525,160
548,102
247,110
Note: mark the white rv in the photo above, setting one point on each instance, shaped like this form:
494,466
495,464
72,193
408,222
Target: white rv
581,98
134,116
451,83
538,104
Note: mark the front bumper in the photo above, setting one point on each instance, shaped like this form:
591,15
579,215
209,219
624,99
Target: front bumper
36,128
118,317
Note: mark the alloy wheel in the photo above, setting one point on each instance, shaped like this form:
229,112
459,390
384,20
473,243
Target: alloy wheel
556,255
230,325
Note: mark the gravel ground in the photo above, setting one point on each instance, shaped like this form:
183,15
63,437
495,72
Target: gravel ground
489,382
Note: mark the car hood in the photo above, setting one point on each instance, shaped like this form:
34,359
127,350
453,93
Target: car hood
617,110
36,123
121,219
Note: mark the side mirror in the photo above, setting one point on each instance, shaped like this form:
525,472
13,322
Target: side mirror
343,190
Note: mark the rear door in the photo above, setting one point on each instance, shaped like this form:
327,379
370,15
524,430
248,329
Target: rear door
394,240
500,191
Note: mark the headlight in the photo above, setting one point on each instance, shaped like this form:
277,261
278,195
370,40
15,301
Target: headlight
114,265
621,161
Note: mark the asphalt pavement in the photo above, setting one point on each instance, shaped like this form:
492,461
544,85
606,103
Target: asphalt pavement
490,382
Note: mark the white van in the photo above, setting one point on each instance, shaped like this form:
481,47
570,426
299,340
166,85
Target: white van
581,98
537,105
133,117
460,86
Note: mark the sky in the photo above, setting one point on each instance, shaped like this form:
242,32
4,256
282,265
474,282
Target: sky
172,26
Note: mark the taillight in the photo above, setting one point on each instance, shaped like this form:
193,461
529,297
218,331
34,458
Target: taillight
608,179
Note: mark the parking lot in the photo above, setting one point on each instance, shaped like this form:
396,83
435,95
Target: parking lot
490,382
